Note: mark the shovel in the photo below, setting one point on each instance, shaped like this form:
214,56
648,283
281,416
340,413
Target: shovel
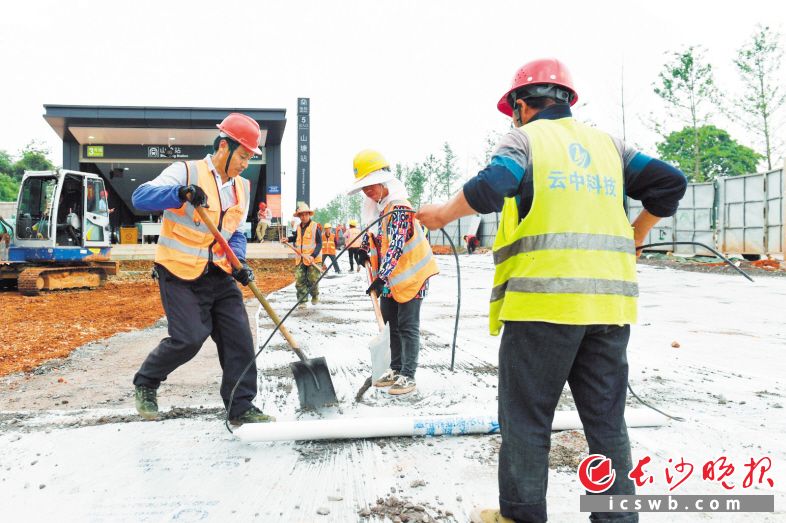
316,263
379,346
312,377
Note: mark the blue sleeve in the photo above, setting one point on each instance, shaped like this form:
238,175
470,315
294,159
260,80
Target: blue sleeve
658,185
318,247
148,197
237,242
501,179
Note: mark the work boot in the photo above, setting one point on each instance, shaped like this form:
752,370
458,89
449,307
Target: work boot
314,300
387,379
252,415
403,385
146,404
488,515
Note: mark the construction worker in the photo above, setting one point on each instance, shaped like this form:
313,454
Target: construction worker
329,247
307,238
195,279
354,245
401,264
565,280
264,217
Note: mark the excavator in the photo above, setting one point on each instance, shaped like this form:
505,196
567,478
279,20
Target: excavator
60,238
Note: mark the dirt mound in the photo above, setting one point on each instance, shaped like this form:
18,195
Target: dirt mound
35,329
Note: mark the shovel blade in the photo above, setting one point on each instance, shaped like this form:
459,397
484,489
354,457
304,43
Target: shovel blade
380,353
314,385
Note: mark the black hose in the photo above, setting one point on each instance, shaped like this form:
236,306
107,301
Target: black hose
278,325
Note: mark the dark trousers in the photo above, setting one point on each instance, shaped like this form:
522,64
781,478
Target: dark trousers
333,262
404,320
353,257
212,305
535,361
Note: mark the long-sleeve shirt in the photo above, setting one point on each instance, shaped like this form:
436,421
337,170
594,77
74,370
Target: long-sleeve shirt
160,194
657,184
317,239
400,230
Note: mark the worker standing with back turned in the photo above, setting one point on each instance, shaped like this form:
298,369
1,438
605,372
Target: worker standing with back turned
565,279
198,292
354,245
401,262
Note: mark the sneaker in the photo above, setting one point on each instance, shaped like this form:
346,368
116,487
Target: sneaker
252,415
403,385
488,515
387,379
146,404
314,300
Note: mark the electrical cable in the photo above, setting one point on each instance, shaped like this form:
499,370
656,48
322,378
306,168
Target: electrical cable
302,300
719,255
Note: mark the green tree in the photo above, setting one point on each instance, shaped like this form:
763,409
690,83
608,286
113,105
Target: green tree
9,188
721,154
687,87
415,182
431,168
758,63
32,158
447,174
6,163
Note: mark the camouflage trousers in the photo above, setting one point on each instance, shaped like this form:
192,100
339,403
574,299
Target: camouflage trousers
305,276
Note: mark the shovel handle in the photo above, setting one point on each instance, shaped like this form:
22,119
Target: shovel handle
375,302
251,285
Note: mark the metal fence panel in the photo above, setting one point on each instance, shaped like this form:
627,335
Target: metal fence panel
775,231
662,232
742,200
695,219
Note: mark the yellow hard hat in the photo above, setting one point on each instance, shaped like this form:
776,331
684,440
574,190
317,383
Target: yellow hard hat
367,161
353,223
328,226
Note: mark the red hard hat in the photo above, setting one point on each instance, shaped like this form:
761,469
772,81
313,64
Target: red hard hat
539,72
243,129
262,205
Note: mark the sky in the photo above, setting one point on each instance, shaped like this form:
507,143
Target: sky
402,77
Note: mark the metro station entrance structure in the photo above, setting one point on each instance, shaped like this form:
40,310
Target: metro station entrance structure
128,146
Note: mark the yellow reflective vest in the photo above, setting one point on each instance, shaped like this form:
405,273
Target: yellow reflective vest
414,267
571,260
185,244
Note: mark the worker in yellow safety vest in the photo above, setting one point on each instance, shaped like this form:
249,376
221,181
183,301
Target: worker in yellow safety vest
401,261
329,247
198,292
307,239
565,286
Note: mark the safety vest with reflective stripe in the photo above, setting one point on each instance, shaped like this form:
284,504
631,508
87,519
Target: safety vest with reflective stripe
185,244
306,242
416,265
349,235
571,260
328,243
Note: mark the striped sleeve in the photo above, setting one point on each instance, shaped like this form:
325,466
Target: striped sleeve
502,177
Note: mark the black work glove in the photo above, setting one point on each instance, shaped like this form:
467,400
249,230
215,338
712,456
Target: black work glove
377,286
194,194
362,257
244,274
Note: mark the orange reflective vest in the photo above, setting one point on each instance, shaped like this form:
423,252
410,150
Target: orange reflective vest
328,243
349,235
416,265
185,244
306,242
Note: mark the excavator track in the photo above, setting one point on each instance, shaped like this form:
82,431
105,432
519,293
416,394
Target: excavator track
33,281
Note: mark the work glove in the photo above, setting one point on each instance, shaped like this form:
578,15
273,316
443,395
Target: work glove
194,194
244,274
362,257
377,286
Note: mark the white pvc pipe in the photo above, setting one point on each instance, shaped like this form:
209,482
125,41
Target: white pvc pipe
437,425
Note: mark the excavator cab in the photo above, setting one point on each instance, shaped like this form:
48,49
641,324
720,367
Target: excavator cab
62,232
